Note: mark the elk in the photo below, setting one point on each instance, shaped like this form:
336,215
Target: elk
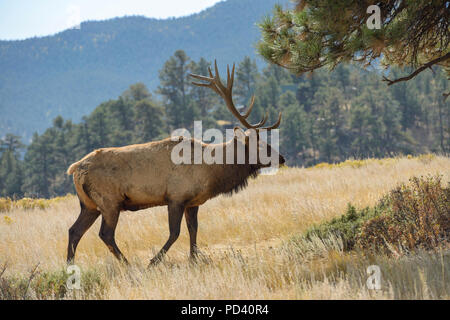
135,177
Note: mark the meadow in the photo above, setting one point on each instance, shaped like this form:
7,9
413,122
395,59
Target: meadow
246,244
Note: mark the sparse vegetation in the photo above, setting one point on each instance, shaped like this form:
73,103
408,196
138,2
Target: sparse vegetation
425,158
7,204
246,240
48,285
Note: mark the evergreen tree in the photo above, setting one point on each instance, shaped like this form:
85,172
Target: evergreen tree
61,156
11,143
148,121
246,76
98,129
204,99
11,175
174,88
321,33
120,119
82,142
38,167
329,123
294,134
137,92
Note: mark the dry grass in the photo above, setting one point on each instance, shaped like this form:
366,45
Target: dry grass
242,240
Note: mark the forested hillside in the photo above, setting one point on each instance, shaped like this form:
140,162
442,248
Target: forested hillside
327,117
71,72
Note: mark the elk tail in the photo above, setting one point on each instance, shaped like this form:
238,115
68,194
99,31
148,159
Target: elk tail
73,167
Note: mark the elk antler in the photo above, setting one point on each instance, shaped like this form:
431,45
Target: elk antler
226,93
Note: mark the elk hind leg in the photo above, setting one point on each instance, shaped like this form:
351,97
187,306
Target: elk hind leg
107,232
85,220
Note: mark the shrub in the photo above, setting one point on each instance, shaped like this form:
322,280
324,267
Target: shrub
414,215
418,217
5,204
346,227
7,220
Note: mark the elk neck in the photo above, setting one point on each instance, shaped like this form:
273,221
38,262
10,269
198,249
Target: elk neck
231,178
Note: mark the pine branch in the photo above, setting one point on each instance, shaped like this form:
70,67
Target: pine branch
419,70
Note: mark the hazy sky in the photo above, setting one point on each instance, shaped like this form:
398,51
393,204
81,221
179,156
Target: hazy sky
20,19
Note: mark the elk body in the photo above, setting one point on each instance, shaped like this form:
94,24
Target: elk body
135,177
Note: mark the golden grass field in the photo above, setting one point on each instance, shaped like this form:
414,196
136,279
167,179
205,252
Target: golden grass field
244,240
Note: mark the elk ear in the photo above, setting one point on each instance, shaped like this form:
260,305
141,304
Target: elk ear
239,134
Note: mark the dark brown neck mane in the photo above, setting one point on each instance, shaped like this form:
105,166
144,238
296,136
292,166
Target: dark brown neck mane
232,178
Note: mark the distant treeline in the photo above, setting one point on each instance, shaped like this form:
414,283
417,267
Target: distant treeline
327,117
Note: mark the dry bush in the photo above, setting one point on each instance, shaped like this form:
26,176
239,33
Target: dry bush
7,204
418,216
412,216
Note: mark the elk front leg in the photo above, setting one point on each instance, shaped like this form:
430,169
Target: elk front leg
175,215
192,225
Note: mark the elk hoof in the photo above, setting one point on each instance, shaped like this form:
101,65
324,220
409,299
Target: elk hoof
155,261
199,256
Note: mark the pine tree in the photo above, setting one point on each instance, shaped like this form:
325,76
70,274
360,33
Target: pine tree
321,33
246,77
37,167
98,129
204,99
137,92
11,143
328,104
294,134
10,175
148,119
119,120
82,142
61,156
174,88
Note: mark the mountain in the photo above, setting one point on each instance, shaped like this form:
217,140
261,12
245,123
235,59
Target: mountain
71,72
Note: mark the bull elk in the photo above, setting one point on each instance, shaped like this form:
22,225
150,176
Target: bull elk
135,177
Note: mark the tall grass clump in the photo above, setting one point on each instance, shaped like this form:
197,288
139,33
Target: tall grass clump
48,285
